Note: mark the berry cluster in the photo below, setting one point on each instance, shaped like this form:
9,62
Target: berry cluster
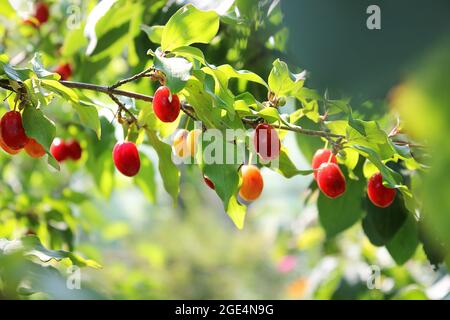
62,150
13,137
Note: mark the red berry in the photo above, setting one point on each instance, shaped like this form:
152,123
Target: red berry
59,150
34,148
166,106
12,130
42,12
64,70
380,195
5,147
73,150
322,156
330,179
209,183
126,158
266,142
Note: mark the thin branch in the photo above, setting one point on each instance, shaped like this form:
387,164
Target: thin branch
186,108
146,73
123,108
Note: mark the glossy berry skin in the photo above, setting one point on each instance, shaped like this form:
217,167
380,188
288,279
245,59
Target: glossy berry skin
5,147
322,156
209,183
252,183
64,70
179,143
266,141
165,106
12,130
73,150
34,148
330,179
59,150
378,194
42,12
126,158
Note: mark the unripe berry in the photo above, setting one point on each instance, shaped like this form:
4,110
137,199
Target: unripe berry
126,158
192,141
64,70
209,183
179,146
252,183
266,142
165,105
34,148
59,150
12,130
322,156
378,194
330,180
73,149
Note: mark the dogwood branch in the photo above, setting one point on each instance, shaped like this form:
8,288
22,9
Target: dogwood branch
186,108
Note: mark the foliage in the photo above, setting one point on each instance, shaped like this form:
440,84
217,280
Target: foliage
127,43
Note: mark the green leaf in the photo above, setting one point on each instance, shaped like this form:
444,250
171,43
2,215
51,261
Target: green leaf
372,137
145,179
202,102
60,89
17,74
230,72
154,33
282,82
349,158
236,212
222,96
38,126
337,215
88,114
286,167
392,178
381,225
39,69
191,53
225,178
177,70
405,242
189,25
169,172
34,247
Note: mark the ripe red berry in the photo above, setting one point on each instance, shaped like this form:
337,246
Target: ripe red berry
42,12
5,147
380,195
209,183
12,130
165,105
266,142
59,150
330,179
322,156
64,70
73,149
126,158
34,148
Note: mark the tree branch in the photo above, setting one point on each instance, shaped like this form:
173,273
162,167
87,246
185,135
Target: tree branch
186,108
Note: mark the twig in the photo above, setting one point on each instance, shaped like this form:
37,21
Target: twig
146,73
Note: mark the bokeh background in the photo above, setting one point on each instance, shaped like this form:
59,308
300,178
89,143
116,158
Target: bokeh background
150,249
